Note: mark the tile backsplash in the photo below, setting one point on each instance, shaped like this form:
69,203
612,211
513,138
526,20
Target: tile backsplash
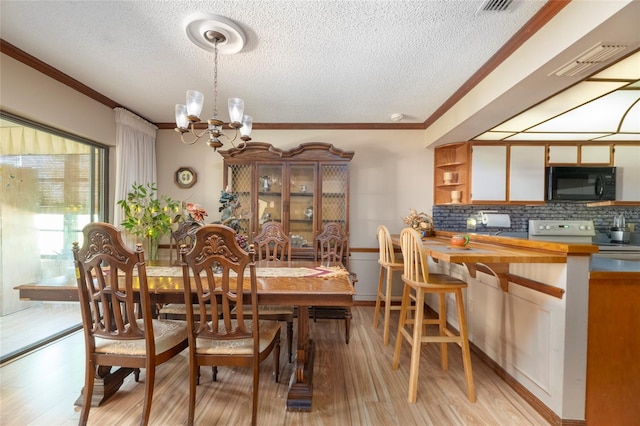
454,218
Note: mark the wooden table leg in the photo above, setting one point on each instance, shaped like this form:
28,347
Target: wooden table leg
301,387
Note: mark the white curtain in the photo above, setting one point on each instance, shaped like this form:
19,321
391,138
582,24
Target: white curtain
135,156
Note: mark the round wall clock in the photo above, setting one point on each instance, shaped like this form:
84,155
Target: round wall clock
185,177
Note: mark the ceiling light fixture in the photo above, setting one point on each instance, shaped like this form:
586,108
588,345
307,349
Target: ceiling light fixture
217,34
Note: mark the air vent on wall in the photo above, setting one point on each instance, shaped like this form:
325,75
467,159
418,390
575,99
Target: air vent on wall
591,59
494,6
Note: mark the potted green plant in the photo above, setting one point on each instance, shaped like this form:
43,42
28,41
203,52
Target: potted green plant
148,217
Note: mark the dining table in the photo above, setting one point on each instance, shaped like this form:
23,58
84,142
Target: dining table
300,283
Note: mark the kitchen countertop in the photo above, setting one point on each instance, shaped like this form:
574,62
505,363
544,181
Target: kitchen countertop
500,244
558,248
604,264
490,251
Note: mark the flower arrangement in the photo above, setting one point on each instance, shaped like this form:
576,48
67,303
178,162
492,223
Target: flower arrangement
421,222
147,216
196,213
228,205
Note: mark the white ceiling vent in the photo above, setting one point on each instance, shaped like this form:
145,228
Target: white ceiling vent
494,6
591,59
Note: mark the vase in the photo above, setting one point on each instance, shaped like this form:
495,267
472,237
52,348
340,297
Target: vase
150,246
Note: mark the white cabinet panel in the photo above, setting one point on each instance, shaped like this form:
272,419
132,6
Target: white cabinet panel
526,173
595,154
489,173
627,161
563,154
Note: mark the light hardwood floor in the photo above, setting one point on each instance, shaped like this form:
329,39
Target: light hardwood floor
353,385
15,336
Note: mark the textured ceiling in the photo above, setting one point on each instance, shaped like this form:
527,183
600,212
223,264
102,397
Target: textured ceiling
304,61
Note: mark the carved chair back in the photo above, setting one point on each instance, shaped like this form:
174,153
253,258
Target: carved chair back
183,235
105,270
332,245
272,243
215,271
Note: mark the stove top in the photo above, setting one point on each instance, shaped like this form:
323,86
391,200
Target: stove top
569,231
574,231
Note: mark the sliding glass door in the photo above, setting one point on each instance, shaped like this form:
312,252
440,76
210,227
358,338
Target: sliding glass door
52,185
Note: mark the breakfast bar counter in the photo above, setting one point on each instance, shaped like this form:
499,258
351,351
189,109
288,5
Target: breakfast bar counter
527,306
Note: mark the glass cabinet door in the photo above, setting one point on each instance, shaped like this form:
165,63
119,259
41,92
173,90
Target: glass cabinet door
335,187
302,205
239,183
270,206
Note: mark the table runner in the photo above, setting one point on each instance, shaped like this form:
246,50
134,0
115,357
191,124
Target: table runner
325,272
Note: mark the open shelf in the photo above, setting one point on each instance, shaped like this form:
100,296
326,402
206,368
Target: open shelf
453,160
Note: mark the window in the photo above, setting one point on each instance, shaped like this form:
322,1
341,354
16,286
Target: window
52,185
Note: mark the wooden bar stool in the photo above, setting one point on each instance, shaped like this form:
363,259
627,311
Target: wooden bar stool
389,263
418,282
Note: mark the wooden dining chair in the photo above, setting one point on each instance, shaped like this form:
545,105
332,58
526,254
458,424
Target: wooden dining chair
332,247
215,272
417,283
184,235
119,329
389,263
272,244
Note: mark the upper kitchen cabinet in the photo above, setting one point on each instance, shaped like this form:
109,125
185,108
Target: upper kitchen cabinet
627,163
302,188
488,173
562,154
526,173
451,177
596,155
579,154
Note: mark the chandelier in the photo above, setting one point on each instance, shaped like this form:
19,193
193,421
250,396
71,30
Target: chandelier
212,32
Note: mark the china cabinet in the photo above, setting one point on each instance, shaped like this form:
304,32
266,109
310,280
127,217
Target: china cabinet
303,188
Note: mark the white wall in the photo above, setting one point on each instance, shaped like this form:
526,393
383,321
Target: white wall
32,95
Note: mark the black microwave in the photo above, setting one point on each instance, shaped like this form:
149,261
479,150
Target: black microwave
581,183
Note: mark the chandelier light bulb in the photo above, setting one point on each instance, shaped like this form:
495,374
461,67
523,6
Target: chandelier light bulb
181,117
236,110
195,100
247,125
